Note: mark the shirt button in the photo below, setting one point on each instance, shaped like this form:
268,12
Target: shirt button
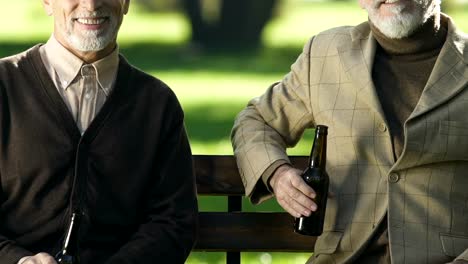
382,127
87,96
393,177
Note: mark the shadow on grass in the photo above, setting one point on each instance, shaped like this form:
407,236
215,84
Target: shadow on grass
7,49
211,122
162,57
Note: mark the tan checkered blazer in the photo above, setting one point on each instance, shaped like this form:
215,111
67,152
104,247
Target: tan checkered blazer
425,191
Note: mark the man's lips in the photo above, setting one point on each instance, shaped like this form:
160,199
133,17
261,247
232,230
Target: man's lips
387,2
395,2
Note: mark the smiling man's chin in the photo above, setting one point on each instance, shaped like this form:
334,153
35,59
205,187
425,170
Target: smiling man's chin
396,26
92,40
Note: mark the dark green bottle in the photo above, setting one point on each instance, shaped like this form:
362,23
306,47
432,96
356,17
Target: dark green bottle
69,252
316,177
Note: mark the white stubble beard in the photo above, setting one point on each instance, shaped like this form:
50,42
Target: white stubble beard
403,23
92,40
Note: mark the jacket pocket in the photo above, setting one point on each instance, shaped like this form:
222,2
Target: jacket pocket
455,136
327,242
453,245
453,128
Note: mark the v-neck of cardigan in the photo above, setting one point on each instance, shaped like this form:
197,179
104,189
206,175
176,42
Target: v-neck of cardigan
59,105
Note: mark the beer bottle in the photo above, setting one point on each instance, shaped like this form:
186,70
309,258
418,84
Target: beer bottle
69,252
317,178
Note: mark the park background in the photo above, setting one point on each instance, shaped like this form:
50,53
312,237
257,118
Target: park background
212,82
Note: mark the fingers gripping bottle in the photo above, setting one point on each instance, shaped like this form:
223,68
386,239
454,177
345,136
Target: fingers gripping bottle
317,178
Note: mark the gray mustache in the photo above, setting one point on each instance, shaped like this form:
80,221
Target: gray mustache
94,14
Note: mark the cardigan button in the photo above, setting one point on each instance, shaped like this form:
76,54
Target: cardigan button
393,177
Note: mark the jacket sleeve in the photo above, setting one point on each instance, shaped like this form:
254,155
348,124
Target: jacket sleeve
169,232
271,123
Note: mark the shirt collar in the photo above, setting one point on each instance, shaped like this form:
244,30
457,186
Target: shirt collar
68,66
106,70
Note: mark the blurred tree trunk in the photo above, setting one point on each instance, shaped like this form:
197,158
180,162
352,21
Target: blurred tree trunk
239,25
194,12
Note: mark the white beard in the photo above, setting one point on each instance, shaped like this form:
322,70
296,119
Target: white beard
403,23
93,40
397,26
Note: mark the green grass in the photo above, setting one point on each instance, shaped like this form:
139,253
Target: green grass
212,88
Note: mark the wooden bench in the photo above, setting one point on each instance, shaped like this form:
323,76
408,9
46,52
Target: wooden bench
235,231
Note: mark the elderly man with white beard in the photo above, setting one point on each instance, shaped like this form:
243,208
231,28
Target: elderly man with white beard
91,144
393,92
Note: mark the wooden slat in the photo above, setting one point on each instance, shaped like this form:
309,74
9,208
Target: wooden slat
242,231
218,174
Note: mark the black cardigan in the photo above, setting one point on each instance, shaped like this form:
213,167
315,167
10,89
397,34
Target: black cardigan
131,170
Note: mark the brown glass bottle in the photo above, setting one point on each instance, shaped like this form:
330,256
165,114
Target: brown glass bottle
69,252
316,177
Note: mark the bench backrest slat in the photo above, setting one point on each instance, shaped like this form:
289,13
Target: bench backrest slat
218,174
220,231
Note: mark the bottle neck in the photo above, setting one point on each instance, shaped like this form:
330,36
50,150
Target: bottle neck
318,155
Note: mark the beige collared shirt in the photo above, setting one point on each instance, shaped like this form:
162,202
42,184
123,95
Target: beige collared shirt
83,87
